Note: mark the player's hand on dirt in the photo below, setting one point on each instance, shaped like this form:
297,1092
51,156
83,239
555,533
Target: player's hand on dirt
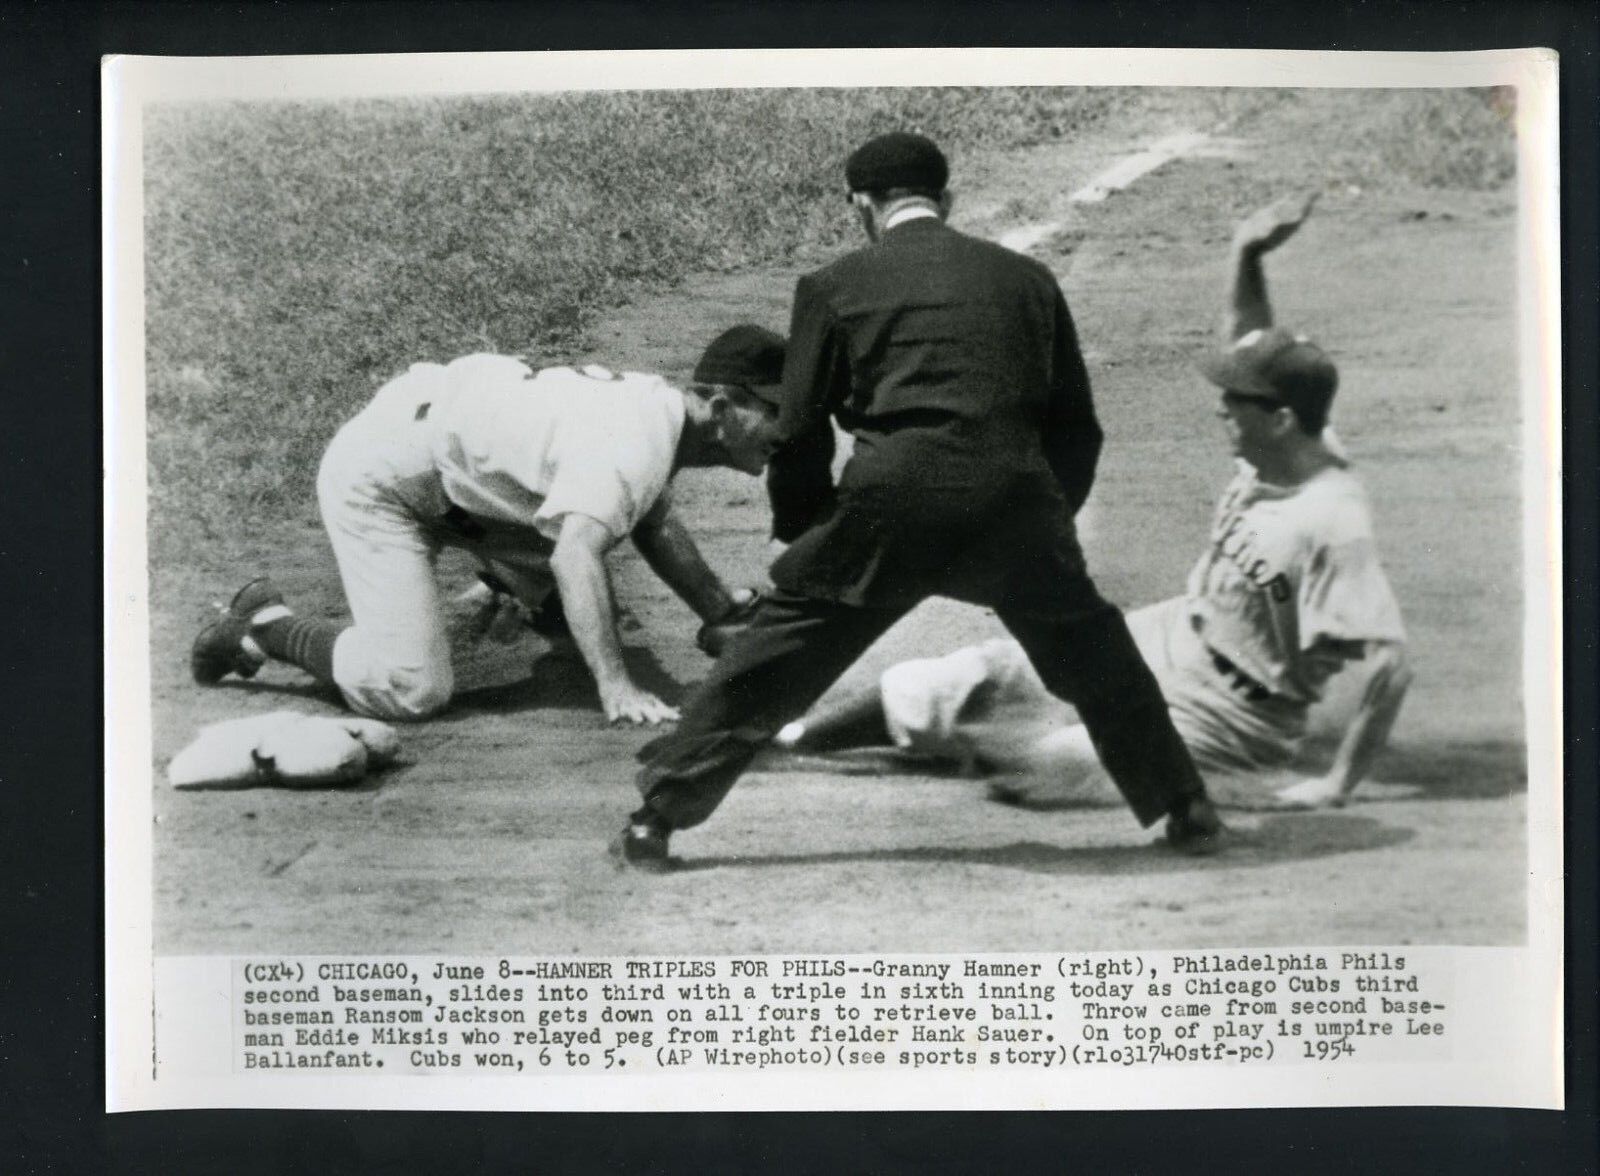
1267,228
626,703
1316,792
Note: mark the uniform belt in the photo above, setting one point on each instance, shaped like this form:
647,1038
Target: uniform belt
1252,690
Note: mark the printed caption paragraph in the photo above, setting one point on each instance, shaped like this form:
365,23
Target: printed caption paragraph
515,1016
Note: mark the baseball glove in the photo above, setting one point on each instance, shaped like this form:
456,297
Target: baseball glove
715,636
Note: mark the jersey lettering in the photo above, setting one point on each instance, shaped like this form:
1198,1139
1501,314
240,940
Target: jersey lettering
1241,547
1286,568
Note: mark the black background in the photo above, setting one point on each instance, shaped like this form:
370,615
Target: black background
51,924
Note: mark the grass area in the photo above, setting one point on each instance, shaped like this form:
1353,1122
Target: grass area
1429,138
299,254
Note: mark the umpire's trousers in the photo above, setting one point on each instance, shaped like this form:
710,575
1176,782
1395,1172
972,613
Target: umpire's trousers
798,646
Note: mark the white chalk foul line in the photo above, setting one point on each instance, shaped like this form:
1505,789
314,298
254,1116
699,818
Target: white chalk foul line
1025,237
1112,179
1122,173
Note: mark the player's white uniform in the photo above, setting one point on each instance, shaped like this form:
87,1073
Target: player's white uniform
1284,568
486,455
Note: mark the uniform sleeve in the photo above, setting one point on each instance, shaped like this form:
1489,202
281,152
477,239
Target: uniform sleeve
595,489
612,464
816,377
1072,434
1345,596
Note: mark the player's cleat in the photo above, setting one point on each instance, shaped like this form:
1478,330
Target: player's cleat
642,845
1195,828
255,598
219,650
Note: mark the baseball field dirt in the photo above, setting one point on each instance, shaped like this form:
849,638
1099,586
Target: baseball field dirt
489,836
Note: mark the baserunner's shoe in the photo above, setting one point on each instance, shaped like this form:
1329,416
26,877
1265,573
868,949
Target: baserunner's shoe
642,845
219,650
1195,828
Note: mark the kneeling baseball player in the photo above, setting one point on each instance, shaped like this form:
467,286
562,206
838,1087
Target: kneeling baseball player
1288,592
537,475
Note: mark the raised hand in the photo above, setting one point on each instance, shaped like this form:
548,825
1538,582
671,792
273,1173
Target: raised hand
1267,228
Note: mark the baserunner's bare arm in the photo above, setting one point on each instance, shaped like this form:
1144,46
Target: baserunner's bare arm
1248,308
1366,735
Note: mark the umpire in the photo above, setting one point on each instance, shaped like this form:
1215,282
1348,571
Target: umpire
955,364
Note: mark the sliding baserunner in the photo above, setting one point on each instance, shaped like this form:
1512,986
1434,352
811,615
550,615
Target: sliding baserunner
1288,592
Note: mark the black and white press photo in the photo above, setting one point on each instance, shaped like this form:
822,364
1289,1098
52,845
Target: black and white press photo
571,511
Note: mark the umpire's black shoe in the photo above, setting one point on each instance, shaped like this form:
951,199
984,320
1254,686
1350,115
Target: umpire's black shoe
1193,827
642,845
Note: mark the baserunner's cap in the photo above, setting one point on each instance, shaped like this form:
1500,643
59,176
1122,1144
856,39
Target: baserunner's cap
1274,364
897,160
748,355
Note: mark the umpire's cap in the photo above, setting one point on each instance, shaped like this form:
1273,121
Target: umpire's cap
897,160
748,355
1276,365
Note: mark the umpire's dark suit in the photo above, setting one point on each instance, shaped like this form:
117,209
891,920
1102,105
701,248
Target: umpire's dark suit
954,363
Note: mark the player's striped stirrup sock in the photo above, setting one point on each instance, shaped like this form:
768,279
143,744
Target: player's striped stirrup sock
304,643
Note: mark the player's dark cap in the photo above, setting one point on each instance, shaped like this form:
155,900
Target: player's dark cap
897,160
748,355
1277,365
